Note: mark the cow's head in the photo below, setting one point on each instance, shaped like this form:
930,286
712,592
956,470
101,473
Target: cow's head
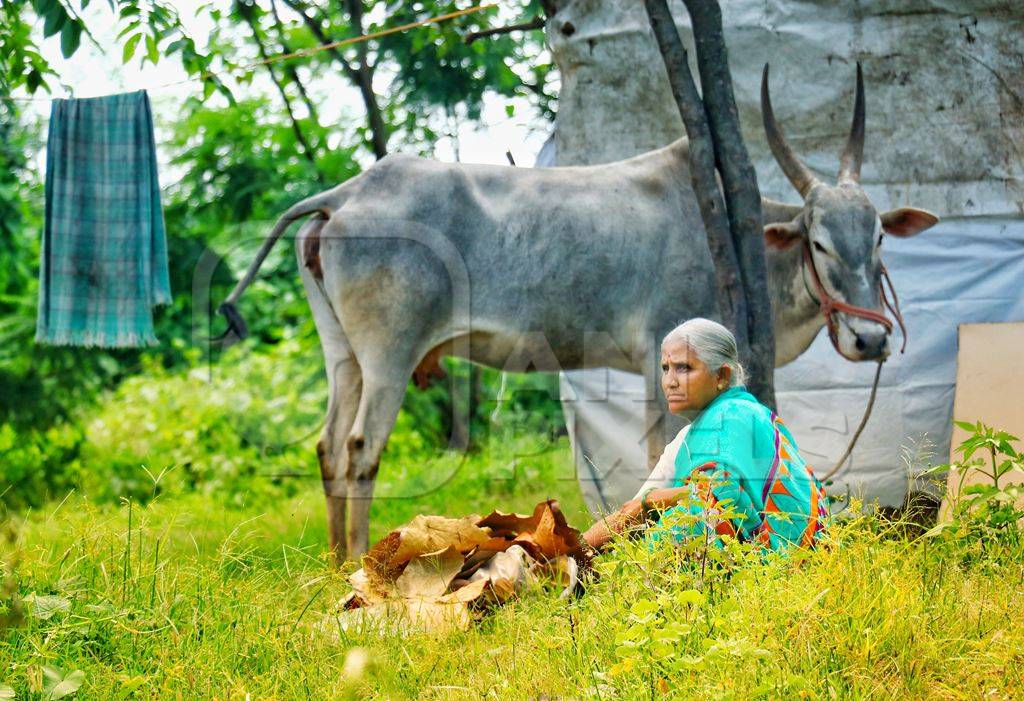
843,229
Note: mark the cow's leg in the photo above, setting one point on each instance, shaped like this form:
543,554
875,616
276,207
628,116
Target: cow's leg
381,398
344,387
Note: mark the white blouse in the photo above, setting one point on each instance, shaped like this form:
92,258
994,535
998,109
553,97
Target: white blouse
664,473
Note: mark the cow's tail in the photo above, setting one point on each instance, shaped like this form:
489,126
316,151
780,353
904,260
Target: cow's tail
237,329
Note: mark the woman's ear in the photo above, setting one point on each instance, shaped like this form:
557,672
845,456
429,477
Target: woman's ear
724,377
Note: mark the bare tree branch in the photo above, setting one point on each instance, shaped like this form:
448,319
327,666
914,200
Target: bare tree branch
307,150
535,23
378,129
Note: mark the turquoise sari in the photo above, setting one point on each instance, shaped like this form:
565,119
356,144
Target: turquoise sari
739,458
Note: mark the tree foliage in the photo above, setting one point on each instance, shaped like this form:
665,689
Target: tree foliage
153,26
409,82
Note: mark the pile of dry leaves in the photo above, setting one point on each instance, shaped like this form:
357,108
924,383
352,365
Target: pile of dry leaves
435,572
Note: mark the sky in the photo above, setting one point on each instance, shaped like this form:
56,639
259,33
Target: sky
92,72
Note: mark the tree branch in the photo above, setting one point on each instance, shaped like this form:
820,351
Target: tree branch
314,27
293,74
731,300
307,150
378,129
535,23
360,78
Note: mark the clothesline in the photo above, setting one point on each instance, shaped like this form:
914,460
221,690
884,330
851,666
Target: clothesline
302,52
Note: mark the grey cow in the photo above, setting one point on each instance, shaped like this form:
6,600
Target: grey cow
548,269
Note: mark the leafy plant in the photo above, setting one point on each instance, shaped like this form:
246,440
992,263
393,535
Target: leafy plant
990,507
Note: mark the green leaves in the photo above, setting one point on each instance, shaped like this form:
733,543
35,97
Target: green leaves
70,37
45,607
57,685
152,53
53,22
142,24
129,48
985,437
644,611
984,504
691,597
45,7
651,631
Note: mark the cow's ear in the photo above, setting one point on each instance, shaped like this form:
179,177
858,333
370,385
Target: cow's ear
907,221
782,235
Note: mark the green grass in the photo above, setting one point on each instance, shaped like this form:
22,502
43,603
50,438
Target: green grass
185,597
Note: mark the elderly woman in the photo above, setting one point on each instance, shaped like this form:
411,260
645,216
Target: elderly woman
735,457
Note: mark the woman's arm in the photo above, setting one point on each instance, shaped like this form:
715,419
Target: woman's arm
658,488
631,514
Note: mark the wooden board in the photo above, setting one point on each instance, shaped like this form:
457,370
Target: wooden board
989,388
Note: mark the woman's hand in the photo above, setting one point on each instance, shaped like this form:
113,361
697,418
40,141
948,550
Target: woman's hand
631,514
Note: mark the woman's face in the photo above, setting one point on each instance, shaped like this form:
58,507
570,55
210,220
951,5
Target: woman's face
687,382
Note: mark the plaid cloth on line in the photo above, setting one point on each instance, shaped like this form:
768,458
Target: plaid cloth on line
104,253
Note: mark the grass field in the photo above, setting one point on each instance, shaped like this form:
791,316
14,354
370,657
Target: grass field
187,598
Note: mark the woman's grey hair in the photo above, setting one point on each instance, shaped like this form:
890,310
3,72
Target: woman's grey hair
714,345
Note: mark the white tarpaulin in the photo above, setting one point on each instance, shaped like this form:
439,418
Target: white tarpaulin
945,132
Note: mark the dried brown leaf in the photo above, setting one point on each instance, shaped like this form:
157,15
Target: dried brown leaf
428,576
405,615
545,532
427,534
379,561
509,525
483,554
469,592
366,590
495,544
431,615
385,561
427,573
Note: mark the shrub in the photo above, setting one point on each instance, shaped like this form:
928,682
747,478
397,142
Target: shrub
241,429
37,466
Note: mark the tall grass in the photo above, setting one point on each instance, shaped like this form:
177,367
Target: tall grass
179,598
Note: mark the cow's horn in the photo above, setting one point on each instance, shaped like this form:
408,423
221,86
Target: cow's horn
853,155
801,177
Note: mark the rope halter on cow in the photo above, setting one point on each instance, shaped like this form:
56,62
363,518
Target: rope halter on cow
829,305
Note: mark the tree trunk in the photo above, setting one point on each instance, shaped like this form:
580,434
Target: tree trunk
742,196
733,225
731,300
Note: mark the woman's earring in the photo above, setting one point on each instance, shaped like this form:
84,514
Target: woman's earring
721,386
